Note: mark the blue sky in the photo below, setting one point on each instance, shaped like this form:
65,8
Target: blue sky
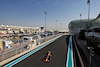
31,12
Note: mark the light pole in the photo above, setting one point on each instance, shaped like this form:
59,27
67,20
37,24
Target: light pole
45,21
56,25
91,54
61,26
80,22
88,2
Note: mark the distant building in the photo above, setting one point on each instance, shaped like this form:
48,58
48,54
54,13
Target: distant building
7,44
1,44
5,29
77,25
62,31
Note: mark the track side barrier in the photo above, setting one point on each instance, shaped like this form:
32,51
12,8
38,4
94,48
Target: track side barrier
80,59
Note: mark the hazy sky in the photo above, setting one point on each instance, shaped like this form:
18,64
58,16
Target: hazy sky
31,12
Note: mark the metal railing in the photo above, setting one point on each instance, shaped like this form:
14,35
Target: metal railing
80,59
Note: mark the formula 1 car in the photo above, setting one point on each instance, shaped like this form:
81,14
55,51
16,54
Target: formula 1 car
47,57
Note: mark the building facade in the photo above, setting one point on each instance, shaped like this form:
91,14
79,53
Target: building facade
77,25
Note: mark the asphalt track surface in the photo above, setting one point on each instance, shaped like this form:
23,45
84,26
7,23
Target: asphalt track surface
59,52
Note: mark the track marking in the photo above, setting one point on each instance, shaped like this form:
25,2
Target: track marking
70,54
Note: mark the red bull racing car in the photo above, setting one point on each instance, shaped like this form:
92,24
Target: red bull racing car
47,57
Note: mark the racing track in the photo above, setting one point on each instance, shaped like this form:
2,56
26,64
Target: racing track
59,51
